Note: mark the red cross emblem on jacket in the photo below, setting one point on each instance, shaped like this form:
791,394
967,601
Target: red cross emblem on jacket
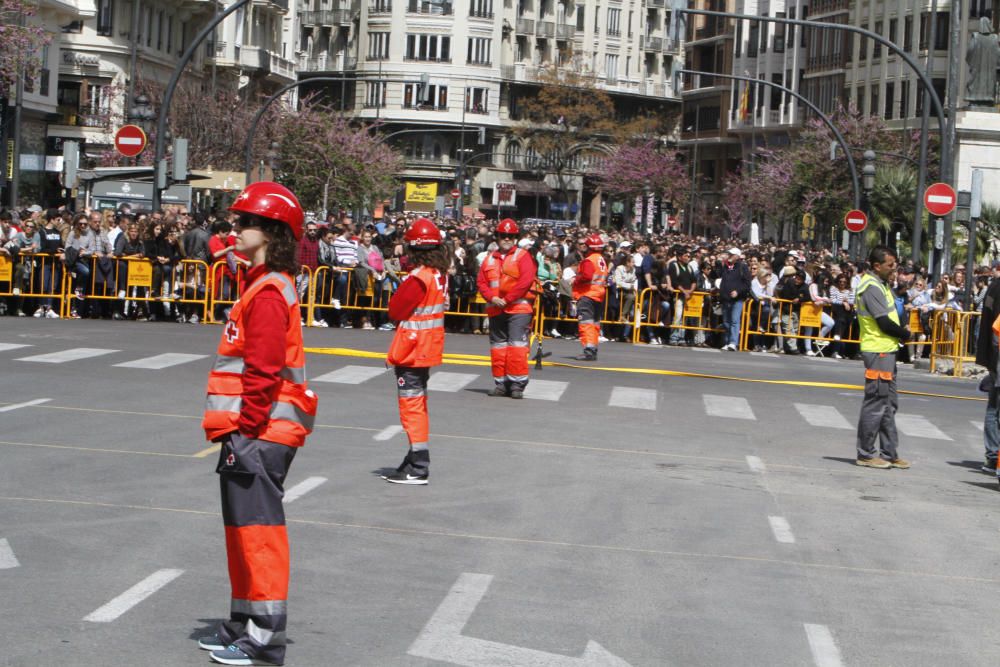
232,331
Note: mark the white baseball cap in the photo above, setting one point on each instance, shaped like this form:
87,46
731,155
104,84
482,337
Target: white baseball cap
736,251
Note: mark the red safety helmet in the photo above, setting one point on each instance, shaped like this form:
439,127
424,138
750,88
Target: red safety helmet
507,226
594,242
422,234
272,201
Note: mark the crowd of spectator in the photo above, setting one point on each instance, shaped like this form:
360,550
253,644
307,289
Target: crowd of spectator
355,266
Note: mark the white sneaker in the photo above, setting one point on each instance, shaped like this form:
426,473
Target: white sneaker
302,323
602,339
193,319
121,294
729,347
39,313
368,327
320,323
52,315
335,303
555,334
837,355
810,353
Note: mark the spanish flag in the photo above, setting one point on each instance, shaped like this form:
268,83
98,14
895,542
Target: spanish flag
745,102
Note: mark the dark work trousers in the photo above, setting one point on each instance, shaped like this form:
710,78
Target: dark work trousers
878,409
509,342
251,474
411,391
991,429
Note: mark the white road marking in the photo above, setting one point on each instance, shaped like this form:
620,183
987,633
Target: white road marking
351,374
826,359
706,349
978,425
918,427
26,404
7,558
782,531
442,639
302,488
822,415
756,464
444,381
824,649
545,390
762,354
632,397
388,432
160,361
133,596
734,407
73,354
12,346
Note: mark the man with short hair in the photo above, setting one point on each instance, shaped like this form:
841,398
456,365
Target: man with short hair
683,281
881,335
986,356
733,289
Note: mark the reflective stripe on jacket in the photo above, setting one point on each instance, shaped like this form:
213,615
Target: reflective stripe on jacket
502,274
597,286
293,409
419,339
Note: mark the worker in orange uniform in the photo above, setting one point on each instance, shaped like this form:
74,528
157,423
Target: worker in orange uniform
418,308
507,282
260,411
589,289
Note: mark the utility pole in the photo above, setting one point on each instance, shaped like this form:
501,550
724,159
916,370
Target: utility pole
15,180
956,61
918,216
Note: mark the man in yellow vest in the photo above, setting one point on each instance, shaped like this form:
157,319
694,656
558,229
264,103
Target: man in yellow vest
881,336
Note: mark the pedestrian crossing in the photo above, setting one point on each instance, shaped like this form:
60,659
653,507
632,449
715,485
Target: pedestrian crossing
619,397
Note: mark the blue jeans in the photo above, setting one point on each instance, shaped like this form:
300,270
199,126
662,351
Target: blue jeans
991,430
732,313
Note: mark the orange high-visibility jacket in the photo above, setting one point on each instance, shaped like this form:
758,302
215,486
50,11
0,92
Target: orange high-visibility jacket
294,409
597,286
419,339
502,275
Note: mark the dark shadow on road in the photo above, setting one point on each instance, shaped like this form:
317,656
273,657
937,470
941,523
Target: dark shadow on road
991,486
381,472
840,459
971,465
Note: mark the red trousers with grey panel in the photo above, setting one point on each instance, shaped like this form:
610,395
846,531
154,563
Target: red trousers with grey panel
251,475
509,349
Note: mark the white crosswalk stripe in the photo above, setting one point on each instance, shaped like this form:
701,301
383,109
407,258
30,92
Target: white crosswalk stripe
733,407
978,425
302,488
633,397
12,346
545,390
73,354
451,382
781,529
822,415
824,648
26,404
132,596
351,374
7,558
388,433
918,427
756,465
161,361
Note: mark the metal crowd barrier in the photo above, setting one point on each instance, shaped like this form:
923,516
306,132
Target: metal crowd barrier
953,338
222,289
131,280
327,284
697,315
44,278
611,316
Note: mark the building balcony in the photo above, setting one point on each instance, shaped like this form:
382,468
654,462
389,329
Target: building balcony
326,17
545,29
280,4
282,67
699,81
565,31
480,15
380,8
433,8
525,27
74,117
651,43
255,58
655,4
671,46
522,72
340,62
652,89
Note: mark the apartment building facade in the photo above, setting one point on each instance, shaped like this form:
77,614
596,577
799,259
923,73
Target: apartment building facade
445,78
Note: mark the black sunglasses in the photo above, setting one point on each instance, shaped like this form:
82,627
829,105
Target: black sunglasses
507,236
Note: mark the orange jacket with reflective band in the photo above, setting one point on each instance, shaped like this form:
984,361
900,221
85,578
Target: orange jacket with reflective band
597,286
502,275
419,339
294,408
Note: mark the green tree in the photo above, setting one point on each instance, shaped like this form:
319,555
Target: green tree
892,200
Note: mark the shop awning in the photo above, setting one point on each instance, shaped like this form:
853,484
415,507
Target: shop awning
532,187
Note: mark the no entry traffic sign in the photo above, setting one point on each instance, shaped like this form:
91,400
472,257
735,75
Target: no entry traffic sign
130,140
456,193
855,221
940,199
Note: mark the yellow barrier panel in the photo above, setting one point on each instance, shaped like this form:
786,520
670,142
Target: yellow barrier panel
6,274
565,312
953,338
40,276
697,308
223,289
140,273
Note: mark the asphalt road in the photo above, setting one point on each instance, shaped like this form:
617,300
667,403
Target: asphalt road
611,518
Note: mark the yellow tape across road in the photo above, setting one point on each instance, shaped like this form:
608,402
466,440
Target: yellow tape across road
483,360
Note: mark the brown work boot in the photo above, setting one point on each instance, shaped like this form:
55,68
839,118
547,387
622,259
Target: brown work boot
902,464
876,463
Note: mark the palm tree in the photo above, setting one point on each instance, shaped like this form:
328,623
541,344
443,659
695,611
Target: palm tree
892,201
987,236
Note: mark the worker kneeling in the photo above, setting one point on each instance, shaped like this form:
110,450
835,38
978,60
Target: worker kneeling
507,281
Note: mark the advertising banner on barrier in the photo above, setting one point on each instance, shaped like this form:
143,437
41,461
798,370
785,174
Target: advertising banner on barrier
810,315
140,274
6,269
913,325
692,307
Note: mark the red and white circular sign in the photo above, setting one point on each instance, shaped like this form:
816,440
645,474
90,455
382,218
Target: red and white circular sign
940,199
130,140
855,221
456,193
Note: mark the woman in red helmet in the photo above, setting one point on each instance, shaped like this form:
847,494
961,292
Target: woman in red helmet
418,308
260,410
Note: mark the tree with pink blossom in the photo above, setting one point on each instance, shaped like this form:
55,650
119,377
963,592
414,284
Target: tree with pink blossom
634,169
21,44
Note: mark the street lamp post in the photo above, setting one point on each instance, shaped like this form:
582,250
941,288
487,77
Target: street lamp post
867,185
141,113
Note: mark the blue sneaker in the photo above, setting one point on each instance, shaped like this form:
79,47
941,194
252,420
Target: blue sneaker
234,655
211,643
